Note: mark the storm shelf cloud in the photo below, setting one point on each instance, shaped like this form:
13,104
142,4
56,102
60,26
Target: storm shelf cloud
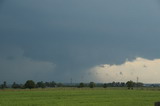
16,67
86,40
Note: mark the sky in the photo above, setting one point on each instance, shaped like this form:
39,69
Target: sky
82,40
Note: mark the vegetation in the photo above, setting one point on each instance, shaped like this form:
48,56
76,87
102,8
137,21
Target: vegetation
15,85
4,85
92,84
79,97
40,85
30,84
81,85
60,94
130,84
104,85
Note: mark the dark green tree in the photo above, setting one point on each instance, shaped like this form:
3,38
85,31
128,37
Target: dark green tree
52,84
4,85
30,84
104,85
15,85
139,84
123,84
130,84
60,85
40,85
92,84
47,84
81,85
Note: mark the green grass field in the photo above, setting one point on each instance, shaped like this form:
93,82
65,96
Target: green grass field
78,97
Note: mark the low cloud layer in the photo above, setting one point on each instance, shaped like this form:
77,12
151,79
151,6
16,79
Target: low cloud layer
16,67
147,71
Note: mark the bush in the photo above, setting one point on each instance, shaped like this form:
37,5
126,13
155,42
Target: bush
30,84
92,84
104,85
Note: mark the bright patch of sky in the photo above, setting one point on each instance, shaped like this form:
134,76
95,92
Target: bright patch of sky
145,70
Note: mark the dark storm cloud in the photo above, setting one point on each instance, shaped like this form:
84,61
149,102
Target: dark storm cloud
77,35
1,3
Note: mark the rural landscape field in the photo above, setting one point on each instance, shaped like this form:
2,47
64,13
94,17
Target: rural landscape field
79,97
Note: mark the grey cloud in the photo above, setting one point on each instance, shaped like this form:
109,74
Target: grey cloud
2,1
77,35
20,68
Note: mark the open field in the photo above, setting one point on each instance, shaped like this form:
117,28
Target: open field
78,97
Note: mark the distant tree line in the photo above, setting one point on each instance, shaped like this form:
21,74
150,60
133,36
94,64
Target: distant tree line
31,84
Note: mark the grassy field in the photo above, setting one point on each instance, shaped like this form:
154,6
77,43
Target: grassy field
78,97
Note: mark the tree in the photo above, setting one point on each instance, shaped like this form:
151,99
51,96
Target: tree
47,84
130,84
52,84
104,85
123,84
40,85
92,84
4,85
81,85
139,84
15,85
59,84
30,84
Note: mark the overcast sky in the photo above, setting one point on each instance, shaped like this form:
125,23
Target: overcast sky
62,39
